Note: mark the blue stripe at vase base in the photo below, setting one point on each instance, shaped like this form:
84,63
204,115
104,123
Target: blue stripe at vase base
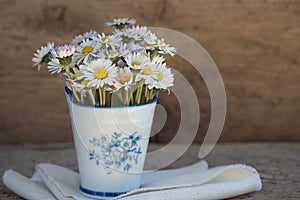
100,194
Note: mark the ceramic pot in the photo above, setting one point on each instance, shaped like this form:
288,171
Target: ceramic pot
111,145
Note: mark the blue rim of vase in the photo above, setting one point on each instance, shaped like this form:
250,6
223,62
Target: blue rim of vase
101,194
70,95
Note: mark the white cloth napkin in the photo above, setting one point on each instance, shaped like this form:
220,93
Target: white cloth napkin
53,182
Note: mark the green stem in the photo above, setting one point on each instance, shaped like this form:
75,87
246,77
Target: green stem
108,99
67,69
139,92
137,95
149,95
100,96
81,97
120,96
153,54
127,98
131,96
153,93
104,97
146,93
74,92
92,96
124,97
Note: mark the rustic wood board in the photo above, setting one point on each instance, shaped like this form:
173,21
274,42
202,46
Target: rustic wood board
277,163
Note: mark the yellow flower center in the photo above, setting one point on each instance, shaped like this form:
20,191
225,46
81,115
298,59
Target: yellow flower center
150,47
146,71
113,54
106,39
160,76
87,49
60,65
136,63
161,42
85,82
101,73
124,79
78,74
120,18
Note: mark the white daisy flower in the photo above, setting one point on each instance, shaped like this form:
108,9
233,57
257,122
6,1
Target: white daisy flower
124,78
54,66
157,60
85,49
135,32
159,44
164,48
137,60
107,39
63,51
120,22
146,73
119,51
86,36
150,38
42,55
162,78
64,54
100,72
135,47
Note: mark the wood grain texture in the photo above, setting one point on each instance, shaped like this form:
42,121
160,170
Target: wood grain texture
277,163
255,44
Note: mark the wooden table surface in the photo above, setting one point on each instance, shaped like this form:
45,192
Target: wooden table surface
277,163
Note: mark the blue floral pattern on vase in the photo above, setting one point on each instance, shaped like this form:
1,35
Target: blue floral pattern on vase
117,152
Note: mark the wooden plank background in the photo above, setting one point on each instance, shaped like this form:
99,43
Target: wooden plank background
255,44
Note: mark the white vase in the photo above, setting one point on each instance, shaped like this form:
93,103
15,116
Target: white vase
111,145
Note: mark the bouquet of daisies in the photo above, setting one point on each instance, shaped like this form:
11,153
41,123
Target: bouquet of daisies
124,68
